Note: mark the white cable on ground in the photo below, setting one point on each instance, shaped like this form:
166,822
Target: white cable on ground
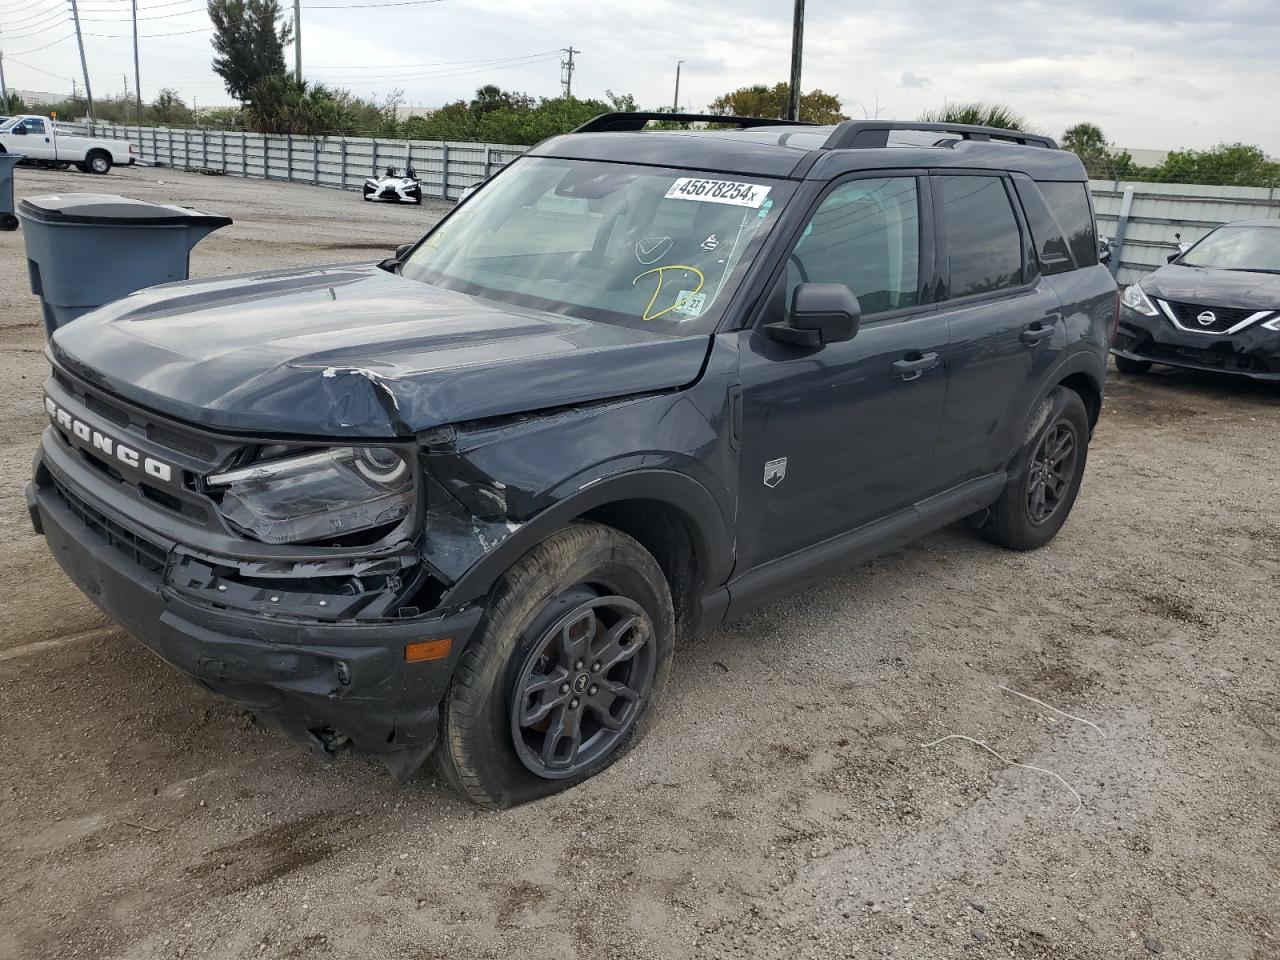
1063,713
1012,763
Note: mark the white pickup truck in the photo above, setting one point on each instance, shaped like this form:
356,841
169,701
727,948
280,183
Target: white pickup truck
38,140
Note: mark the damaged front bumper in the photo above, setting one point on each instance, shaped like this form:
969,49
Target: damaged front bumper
327,683
1253,353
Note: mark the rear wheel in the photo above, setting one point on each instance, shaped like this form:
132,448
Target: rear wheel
98,161
1134,368
1045,479
8,222
575,646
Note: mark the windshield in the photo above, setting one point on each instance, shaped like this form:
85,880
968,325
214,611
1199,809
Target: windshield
8,122
1237,248
655,249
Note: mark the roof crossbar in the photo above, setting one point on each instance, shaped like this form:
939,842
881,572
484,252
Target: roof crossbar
875,133
617,122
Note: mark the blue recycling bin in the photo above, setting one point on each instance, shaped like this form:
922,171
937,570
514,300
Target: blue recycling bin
7,162
87,249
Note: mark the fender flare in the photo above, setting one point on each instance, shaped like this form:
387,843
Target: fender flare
1081,361
712,542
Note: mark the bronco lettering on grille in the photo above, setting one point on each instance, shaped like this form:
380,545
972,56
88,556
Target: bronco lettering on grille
108,445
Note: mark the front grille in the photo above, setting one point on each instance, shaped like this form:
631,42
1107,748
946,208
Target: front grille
142,552
182,442
104,409
1225,318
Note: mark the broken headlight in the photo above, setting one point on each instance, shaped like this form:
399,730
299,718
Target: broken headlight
329,493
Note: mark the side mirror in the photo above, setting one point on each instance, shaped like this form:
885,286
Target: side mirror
392,262
20,131
1104,251
821,313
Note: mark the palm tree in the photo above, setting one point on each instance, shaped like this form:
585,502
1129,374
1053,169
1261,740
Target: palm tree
979,113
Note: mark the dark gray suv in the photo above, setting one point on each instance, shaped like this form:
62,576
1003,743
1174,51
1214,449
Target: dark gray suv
466,500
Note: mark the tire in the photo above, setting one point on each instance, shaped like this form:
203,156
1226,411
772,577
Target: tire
585,576
1018,520
417,197
8,221
98,162
1133,368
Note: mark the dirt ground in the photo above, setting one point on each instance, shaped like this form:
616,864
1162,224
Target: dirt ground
785,804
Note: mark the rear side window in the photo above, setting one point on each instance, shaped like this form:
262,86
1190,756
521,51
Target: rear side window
866,235
1046,233
983,242
1070,205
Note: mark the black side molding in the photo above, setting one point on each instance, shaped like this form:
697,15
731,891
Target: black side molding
817,563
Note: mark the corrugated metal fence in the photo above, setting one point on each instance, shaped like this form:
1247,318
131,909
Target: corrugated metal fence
1156,211
445,168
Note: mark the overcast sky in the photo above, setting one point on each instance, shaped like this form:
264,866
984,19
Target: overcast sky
1152,73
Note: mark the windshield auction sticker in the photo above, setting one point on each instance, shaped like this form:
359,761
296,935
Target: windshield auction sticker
718,191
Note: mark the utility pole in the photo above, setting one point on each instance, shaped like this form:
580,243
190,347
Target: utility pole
297,40
566,69
137,72
797,42
4,91
675,103
84,64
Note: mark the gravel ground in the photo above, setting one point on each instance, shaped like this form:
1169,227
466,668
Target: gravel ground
785,804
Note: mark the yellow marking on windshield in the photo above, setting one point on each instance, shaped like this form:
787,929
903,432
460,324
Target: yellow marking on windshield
661,272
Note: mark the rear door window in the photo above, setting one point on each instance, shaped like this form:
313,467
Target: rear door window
1046,233
1070,205
983,241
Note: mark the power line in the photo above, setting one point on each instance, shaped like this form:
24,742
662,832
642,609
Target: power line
441,63
46,46
25,23
39,69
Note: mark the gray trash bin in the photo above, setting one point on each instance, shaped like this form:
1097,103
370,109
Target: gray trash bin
7,162
87,249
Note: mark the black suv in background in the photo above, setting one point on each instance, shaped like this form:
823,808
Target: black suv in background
467,500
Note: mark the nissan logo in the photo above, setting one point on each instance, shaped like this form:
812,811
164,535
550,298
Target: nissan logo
1207,319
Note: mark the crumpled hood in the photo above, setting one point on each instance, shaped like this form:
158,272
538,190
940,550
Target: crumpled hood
351,350
1215,288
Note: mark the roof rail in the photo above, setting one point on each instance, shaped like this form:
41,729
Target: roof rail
875,133
616,122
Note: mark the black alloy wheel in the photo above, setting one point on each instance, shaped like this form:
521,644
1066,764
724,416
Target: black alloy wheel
1052,471
579,691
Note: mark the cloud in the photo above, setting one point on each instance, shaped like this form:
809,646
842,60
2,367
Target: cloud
1151,73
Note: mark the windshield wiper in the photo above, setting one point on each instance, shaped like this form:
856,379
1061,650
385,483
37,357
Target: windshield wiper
1249,269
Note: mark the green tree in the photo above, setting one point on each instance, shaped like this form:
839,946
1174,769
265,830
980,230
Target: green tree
248,42
816,106
979,113
12,104
1087,141
169,109
1233,164
281,104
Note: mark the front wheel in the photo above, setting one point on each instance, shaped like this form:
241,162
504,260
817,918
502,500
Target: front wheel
1134,368
575,646
1045,478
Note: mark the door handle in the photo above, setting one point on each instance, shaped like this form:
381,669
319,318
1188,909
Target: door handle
1036,333
914,364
